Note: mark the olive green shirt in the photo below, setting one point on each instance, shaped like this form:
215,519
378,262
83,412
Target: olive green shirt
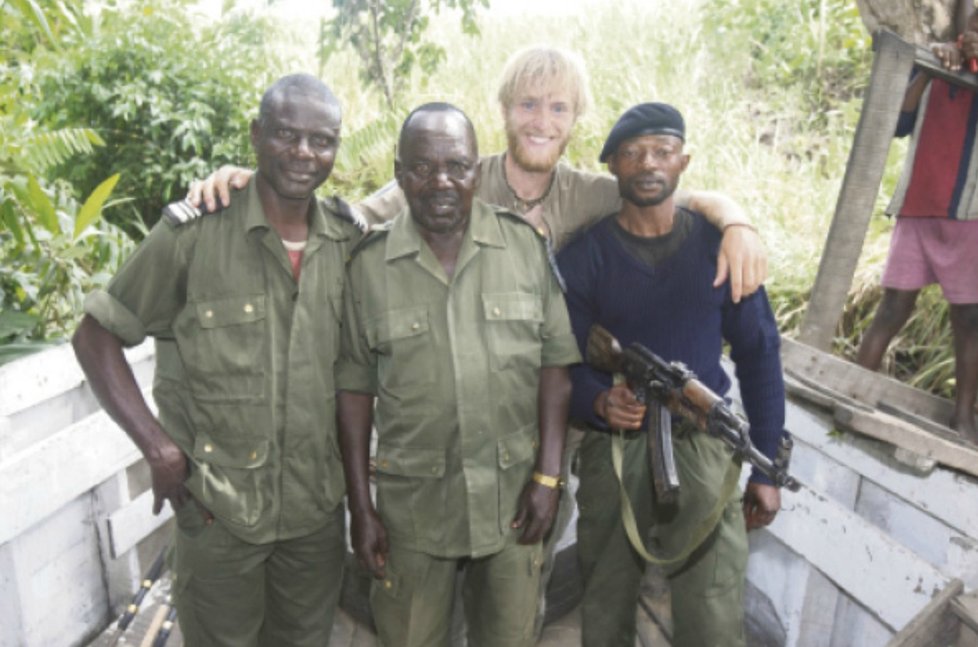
455,365
245,358
576,198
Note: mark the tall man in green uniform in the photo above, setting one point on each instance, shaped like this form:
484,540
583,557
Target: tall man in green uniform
453,320
245,310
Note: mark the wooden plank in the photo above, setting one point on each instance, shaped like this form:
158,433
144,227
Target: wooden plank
39,481
934,625
926,424
966,637
877,121
819,394
882,426
926,61
939,493
31,380
858,383
917,440
886,578
129,524
966,608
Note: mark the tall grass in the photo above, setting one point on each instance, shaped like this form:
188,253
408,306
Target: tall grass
771,93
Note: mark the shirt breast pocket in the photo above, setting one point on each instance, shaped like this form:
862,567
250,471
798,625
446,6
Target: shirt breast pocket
513,322
402,341
228,361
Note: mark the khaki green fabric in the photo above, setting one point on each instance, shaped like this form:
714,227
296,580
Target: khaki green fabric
244,379
707,591
230,593
455,368
412,606
576,198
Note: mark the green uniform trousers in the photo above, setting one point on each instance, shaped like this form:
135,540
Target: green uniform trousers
235,594
412,605
707,589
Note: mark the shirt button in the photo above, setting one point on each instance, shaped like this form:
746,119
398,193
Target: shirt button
209,314
208,448
254,455
415,326
506,456
388,584
249,308
496,312
434,470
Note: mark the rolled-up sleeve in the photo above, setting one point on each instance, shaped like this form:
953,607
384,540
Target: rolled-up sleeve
149,289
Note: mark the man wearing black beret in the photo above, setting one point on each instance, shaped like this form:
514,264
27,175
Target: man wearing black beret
645,274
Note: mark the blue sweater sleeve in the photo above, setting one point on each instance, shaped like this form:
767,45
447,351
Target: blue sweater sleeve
755,344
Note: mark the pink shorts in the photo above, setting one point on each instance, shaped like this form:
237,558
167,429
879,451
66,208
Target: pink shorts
934,250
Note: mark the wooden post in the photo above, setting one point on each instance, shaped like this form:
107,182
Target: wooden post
864,172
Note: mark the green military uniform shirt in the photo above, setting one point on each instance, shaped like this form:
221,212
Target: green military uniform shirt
245,357
455,365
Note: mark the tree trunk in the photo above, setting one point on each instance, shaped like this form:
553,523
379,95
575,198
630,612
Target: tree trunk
918,21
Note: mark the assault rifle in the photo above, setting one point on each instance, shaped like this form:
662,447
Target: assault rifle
673,386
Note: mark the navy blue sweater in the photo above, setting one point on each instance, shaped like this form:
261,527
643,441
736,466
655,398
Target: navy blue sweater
674,310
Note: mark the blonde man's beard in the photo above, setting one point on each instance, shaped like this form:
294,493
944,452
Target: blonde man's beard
529,162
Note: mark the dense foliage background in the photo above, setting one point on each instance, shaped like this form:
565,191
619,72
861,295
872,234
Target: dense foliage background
154,94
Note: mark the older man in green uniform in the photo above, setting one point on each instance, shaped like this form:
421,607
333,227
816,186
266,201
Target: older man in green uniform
245,310
454,321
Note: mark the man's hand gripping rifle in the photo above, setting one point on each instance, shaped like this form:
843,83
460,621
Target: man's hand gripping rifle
673,386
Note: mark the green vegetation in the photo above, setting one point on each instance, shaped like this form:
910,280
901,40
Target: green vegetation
771,91
132,102
389,38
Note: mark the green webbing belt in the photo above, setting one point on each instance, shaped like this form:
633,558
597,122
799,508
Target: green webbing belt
700,533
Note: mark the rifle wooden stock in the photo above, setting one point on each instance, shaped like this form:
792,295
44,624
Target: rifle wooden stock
603,351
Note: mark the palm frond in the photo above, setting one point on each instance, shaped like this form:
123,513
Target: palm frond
50,148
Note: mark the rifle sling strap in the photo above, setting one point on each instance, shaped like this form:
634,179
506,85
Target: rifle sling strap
700,532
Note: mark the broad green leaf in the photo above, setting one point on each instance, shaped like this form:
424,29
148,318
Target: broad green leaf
13,323
92,209
42,206
8,216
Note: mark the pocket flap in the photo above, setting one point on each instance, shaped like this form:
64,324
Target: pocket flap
230,311
241,453
411,461
516,448
508,306
398,324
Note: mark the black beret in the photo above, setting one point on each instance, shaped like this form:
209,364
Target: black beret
644,119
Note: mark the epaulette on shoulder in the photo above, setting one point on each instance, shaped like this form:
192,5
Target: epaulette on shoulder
181,212
350,214
371,236
542,235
